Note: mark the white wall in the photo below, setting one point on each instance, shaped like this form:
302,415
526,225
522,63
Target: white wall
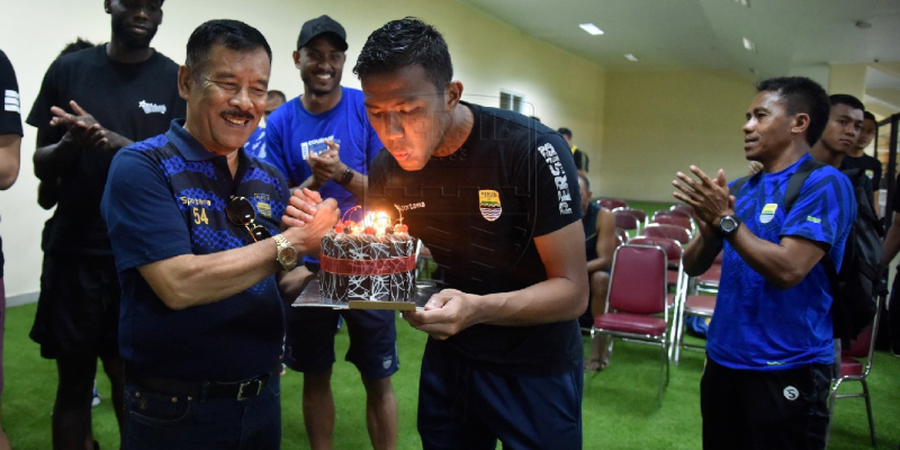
488,56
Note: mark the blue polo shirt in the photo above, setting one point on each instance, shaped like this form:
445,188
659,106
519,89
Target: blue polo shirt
165,197
756,325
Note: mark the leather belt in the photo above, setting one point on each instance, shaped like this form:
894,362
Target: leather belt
202,390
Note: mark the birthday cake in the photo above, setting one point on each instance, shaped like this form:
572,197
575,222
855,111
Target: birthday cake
373,260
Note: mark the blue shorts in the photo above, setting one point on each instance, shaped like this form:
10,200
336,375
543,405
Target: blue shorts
309,342
461,406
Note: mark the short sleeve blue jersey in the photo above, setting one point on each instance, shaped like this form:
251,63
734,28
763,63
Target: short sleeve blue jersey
756,325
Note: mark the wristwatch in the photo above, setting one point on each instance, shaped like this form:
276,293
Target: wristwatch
728,225
287,254
346,177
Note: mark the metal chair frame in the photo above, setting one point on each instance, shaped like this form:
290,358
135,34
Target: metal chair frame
866,370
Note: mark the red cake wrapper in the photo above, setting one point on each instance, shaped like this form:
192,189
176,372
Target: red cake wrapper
367,267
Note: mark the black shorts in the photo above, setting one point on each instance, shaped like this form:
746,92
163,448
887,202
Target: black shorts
78,308
751,409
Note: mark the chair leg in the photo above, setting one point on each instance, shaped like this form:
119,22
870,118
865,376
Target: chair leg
679,337
831,396
869,411
663,371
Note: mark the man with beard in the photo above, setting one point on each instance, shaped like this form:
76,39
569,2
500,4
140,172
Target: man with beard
91,104
323,140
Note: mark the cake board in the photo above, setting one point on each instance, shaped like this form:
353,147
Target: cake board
312,297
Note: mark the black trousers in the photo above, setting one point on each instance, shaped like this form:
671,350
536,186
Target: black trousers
749,409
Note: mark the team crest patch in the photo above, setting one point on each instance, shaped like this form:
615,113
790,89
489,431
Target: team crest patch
264,209
768,212
489,204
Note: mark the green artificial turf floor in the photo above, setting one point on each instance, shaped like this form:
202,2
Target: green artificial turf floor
619,408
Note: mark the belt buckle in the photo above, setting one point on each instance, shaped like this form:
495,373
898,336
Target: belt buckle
249,385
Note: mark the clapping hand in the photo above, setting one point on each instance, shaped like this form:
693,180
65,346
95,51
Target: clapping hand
327,165
709,197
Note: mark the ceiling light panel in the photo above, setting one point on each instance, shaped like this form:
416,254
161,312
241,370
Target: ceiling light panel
591,28
749,45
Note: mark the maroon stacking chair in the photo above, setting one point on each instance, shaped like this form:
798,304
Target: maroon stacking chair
674,212
680,234
701,303
681,221
628,222
708,282
636,302
676,279
687,209
856,365
612,203
637,213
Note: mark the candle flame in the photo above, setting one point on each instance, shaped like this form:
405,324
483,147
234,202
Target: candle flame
379,221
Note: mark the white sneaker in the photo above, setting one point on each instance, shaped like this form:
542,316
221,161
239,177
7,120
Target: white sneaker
96,400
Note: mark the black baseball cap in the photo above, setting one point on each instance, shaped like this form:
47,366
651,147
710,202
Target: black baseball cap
320,25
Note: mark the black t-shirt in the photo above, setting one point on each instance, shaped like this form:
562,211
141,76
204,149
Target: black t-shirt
478,211
137,101
871,167
10,116
582,162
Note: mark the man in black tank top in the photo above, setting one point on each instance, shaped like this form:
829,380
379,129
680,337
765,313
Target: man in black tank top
600,244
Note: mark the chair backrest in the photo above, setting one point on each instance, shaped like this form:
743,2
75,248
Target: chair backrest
859,347
688,209
639,213
627,222
864,344
638,280
672,248
676,232
673,212
612,203
683,222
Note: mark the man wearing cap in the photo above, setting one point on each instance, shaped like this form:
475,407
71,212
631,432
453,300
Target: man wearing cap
323,140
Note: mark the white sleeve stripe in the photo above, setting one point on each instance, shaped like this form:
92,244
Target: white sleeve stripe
11,101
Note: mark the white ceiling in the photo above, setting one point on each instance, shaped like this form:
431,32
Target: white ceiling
792,37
